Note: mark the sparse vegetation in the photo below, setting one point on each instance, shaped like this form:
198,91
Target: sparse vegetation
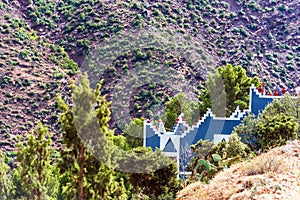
262,176
44,43
264,164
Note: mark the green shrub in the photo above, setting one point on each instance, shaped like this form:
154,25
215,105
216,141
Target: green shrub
42,85
275,130
209,159
26,83
235,147
211,169
5,81
277,124
2,5
58,75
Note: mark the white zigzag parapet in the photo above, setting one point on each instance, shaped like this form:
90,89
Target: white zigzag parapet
236,115
260,100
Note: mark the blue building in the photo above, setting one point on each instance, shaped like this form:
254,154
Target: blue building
210,127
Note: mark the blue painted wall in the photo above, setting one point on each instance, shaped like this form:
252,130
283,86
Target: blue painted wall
206,128
153,140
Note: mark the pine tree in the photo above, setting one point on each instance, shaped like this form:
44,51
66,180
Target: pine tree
154,174
88,142
6,185
214,95
35,170
231,82
177,105
134,133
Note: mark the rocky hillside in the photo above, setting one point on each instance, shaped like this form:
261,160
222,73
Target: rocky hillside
32,72
273,175
263,36
39,36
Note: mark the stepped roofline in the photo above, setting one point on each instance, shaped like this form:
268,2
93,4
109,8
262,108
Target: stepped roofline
206,127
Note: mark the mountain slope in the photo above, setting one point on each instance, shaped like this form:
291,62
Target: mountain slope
32,73
39,36
263,36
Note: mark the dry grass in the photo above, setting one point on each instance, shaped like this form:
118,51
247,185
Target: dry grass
266,175
194,188
266,163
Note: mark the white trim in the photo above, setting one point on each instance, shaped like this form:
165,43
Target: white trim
219,137
145,134
185,173
250,98
164,136
171,154
240,114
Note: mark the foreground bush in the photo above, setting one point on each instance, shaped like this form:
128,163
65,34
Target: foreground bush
210,159
275,130
277,124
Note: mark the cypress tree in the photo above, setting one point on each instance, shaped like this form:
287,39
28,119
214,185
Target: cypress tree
230,82
6,185
177,105
134,133
85,135
35,169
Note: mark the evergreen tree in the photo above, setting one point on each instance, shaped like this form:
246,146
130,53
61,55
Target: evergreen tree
286,105
19,193
215,95
177,105
154,174
86,134
6,185
277,124
169,119
275,130
230,82
134,133
36,173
